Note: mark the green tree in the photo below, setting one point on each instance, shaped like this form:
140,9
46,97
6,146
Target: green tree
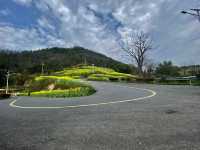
2,78
167,69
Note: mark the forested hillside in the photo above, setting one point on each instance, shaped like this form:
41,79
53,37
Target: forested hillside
55,59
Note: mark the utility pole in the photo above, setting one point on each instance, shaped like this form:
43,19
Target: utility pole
7,81
85,61
42,71
93,69
194,12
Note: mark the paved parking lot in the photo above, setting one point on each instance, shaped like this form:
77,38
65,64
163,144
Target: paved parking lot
117,117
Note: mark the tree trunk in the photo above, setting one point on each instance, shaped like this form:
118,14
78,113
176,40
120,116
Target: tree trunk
140,71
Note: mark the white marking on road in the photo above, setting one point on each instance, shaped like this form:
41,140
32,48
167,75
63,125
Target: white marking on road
153,93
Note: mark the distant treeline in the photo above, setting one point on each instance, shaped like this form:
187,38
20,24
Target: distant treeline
168,69
54,59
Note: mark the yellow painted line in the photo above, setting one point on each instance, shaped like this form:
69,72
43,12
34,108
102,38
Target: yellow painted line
153,93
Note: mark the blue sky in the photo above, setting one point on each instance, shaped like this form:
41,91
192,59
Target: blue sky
100,24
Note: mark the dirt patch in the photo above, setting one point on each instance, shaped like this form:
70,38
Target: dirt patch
51,87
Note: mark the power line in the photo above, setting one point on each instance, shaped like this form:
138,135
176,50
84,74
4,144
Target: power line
193,12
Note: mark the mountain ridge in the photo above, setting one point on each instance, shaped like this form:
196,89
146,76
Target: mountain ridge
55,59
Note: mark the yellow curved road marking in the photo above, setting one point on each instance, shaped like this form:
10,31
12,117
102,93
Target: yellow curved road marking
153,93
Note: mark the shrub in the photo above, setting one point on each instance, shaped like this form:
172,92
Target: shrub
95,73
76,77
73,92
198,76
145,80
196,82
37,85
42,83
93,78
61,87
174,82
113,79
63,84
128,79
4,95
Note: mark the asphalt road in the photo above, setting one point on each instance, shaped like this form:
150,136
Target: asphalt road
117,117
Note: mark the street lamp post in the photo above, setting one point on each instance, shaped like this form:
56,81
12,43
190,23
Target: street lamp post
8,74
195,13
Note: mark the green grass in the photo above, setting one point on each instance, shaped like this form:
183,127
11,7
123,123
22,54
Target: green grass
98,78
73,92
179,82
53,77
196,82
56,86
95,74
111,77
43,83
69,83
174,82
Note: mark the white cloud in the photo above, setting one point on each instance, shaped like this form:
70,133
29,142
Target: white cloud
68,23
5,12
13,38
20,39
44,22
64,13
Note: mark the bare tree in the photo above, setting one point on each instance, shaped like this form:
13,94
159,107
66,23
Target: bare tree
150,67
136,46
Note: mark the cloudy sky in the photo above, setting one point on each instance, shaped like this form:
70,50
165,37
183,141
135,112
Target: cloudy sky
100,25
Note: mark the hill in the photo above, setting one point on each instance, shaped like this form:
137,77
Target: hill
55,59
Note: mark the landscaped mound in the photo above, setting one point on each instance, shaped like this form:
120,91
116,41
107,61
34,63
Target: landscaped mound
54,86
69,83
95,74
